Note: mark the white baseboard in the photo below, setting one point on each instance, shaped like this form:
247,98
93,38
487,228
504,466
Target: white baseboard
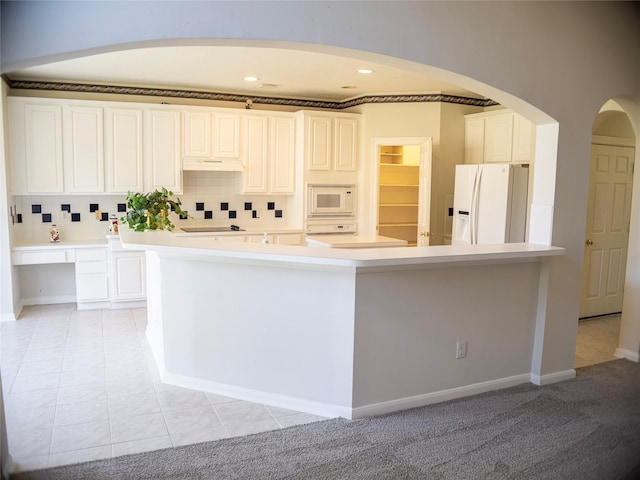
129,304
92,305
257,396
49,300
628,354
552,377
437,397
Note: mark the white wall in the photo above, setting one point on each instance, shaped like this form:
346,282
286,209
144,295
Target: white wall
541,59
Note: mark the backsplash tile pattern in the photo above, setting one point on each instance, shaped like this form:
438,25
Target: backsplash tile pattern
216,192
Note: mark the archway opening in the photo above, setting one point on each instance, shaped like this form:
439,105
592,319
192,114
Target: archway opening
607,231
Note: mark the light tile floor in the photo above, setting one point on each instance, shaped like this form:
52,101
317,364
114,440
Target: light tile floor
83,385
597,340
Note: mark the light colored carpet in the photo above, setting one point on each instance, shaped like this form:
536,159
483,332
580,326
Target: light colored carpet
585,428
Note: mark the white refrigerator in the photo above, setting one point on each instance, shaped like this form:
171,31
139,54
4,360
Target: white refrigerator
490,204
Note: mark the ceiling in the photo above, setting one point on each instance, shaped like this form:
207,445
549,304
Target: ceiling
282,73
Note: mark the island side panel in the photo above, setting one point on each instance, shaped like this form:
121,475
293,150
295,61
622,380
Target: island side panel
264,332
408,324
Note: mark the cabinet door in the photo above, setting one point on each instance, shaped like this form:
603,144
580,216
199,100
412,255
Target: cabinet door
498,138
345,142
43,148
226,135
282,159
474,141
83,149
123,150
162,151
254,178
197,135
524,140
16,147
318,143
128,276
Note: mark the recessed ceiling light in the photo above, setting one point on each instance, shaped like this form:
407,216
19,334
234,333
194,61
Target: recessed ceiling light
348,87
251,79
365,70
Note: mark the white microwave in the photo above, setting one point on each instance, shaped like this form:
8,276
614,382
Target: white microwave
331,200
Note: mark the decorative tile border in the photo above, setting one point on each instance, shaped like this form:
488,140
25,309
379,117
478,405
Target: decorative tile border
229,97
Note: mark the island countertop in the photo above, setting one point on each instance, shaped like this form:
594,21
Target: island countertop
169,243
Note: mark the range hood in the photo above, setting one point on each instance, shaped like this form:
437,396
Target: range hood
226,165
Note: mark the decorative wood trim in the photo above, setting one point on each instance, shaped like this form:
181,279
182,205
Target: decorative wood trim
231,97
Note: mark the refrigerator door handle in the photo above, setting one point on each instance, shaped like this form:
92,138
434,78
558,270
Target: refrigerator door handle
475,201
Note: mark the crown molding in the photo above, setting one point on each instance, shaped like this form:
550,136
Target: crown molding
231,97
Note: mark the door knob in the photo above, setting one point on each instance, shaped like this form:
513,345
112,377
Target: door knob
423,234
589,242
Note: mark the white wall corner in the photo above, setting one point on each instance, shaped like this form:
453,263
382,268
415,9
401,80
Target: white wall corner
628,354
555,377
541,224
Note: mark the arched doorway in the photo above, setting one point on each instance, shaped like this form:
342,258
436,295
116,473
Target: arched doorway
606,236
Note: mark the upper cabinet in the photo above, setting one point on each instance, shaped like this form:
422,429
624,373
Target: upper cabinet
211,140
55,148
330,141
163,167
43,148
83,149
269,153
123,150
499,137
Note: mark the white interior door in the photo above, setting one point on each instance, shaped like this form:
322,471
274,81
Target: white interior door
424,206
607,232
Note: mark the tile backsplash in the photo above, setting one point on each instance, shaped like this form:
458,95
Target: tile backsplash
210,198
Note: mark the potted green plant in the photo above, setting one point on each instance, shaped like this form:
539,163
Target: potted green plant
150,211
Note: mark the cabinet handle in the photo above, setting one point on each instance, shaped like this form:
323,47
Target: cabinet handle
589,242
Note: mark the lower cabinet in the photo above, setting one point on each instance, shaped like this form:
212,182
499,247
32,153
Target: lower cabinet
92,276
128,276
128,272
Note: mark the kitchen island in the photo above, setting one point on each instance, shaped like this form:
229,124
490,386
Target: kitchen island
342,332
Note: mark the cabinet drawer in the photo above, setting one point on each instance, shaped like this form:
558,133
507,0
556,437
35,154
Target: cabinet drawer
91,254
83,268
33,257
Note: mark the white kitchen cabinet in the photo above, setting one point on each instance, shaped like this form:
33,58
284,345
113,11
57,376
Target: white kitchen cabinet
55,147
256,148
474,140
524,140
289,239
43,148
163,166
330,141
269,154
345,143
318,142
498,137
123,150
83,149
197,134
92,275
211,140
226,135
128,276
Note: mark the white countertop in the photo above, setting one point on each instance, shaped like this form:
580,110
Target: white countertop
87,243
167,243
354,241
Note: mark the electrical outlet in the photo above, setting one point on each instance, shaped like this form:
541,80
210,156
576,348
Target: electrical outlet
461,349
98,215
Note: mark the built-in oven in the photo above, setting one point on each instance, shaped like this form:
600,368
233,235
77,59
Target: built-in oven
330,201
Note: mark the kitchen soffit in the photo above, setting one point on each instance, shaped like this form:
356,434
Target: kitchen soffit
283,73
